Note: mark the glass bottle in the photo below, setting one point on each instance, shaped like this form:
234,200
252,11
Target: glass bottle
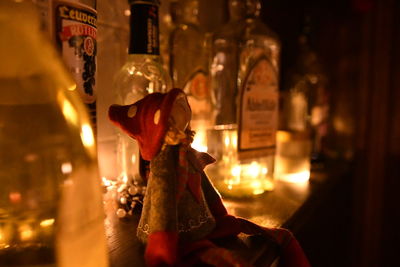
189,64
243,139
50,195
168,22
142,74
72,25
304,113
309,65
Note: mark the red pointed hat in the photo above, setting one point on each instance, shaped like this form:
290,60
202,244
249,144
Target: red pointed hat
146,120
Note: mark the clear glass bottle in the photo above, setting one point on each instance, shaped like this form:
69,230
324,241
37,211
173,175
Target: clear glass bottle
243,140
168,22
304,113
72,25
189,64
142,74
50,195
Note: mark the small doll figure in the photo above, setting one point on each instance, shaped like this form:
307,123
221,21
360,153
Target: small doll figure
182,212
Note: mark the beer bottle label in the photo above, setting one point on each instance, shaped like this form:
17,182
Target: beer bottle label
75,34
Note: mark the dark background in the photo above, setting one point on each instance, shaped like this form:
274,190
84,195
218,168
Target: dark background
356,222
358,42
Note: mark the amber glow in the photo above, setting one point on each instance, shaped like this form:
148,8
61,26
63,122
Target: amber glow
47,223
292,162
244,179
200,140
15,197
26,233
66,168
300,177
1,236
72,87
87,135
68,110
106,182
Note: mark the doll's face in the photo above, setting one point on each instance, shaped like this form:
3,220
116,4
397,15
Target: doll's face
180,114
178,121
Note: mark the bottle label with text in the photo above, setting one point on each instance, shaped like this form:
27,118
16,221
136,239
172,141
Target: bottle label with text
75,34
144,29
258,111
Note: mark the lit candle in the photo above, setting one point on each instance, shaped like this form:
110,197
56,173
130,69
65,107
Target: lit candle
292,163
233,177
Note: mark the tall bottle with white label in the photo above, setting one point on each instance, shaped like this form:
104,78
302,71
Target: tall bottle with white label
75,30
51,211
142,73
72,25
243,139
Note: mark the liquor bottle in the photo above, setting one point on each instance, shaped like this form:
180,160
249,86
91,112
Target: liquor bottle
51,208
189,64
72,25
245,68
141,74
304,113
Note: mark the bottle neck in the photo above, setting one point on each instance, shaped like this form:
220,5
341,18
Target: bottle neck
190,12
253,8
144,32
175,12
237,10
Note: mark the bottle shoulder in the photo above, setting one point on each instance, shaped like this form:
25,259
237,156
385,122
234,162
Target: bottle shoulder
186,29
140,75
142,63
230,30
255,28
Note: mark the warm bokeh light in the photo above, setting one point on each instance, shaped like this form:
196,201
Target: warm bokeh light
69,112
200,140
66,168
26,232
238,178
292,161
87,135
300,177
106,182
15,197
47,223
72,87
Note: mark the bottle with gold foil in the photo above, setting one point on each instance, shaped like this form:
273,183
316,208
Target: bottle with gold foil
189,64
245,69
50,195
